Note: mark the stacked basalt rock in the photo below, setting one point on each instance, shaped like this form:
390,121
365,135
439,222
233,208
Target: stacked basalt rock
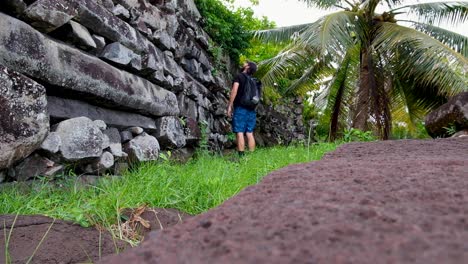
33,145
450,119
281,124
94,85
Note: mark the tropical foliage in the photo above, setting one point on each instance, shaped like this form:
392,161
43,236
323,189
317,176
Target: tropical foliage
230,29
373,67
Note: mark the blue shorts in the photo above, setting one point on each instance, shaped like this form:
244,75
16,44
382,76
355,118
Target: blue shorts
243,120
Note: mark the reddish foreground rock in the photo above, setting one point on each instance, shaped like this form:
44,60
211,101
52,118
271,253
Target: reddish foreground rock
67,242
383,202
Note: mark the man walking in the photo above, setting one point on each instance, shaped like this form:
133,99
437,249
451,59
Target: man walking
243,117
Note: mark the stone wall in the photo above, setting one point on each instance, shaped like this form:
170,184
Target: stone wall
280,124
98,84
450,119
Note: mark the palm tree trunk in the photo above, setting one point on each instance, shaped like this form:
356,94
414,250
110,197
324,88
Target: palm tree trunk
366,84
336,113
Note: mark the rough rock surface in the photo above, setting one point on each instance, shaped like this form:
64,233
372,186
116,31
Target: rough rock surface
14,6
47,15
127,63
192,131
81,139
142,148
23,118
24,49
383,202
280,124
462,133
118,53
61,109
65,243
170,132
33,166
452,114
136,130
100,124
115,146
82,36
126,136
70,243
3,175
52,143
101,165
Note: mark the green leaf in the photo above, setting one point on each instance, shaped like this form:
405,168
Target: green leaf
428,60
453,12
281,34
457,42
324,4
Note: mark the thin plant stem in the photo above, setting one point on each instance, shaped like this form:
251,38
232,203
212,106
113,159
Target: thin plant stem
7,242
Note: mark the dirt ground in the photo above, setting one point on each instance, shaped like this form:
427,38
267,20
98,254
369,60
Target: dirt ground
383,202
66,242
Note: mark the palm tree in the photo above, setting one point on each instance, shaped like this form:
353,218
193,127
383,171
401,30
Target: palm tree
382,64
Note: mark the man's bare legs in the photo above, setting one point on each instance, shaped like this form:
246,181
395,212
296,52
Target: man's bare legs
250,141
240,142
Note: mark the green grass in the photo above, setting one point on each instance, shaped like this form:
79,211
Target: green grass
194,187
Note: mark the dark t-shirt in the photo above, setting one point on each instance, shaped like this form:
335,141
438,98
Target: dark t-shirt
241,79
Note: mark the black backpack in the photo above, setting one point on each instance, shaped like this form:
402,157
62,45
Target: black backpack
252,91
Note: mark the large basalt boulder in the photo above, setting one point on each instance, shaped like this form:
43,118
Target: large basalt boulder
60,109
101,165
280,124
51,144
23,116
171,67
118,53
48,15
81,139
193,132
151,15
121,12
453,114
13,6
105,23
191,8
24,49
33,166
170,132
142,148
164,40
188,107
81,36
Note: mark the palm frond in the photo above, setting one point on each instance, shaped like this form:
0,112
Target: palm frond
457,42
317,71
323,4
428,60
405,107
452,12
411,101
281,34
332,34
278,67
340,91
393,3
337,94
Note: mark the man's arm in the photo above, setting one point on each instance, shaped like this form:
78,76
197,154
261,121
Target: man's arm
234,89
